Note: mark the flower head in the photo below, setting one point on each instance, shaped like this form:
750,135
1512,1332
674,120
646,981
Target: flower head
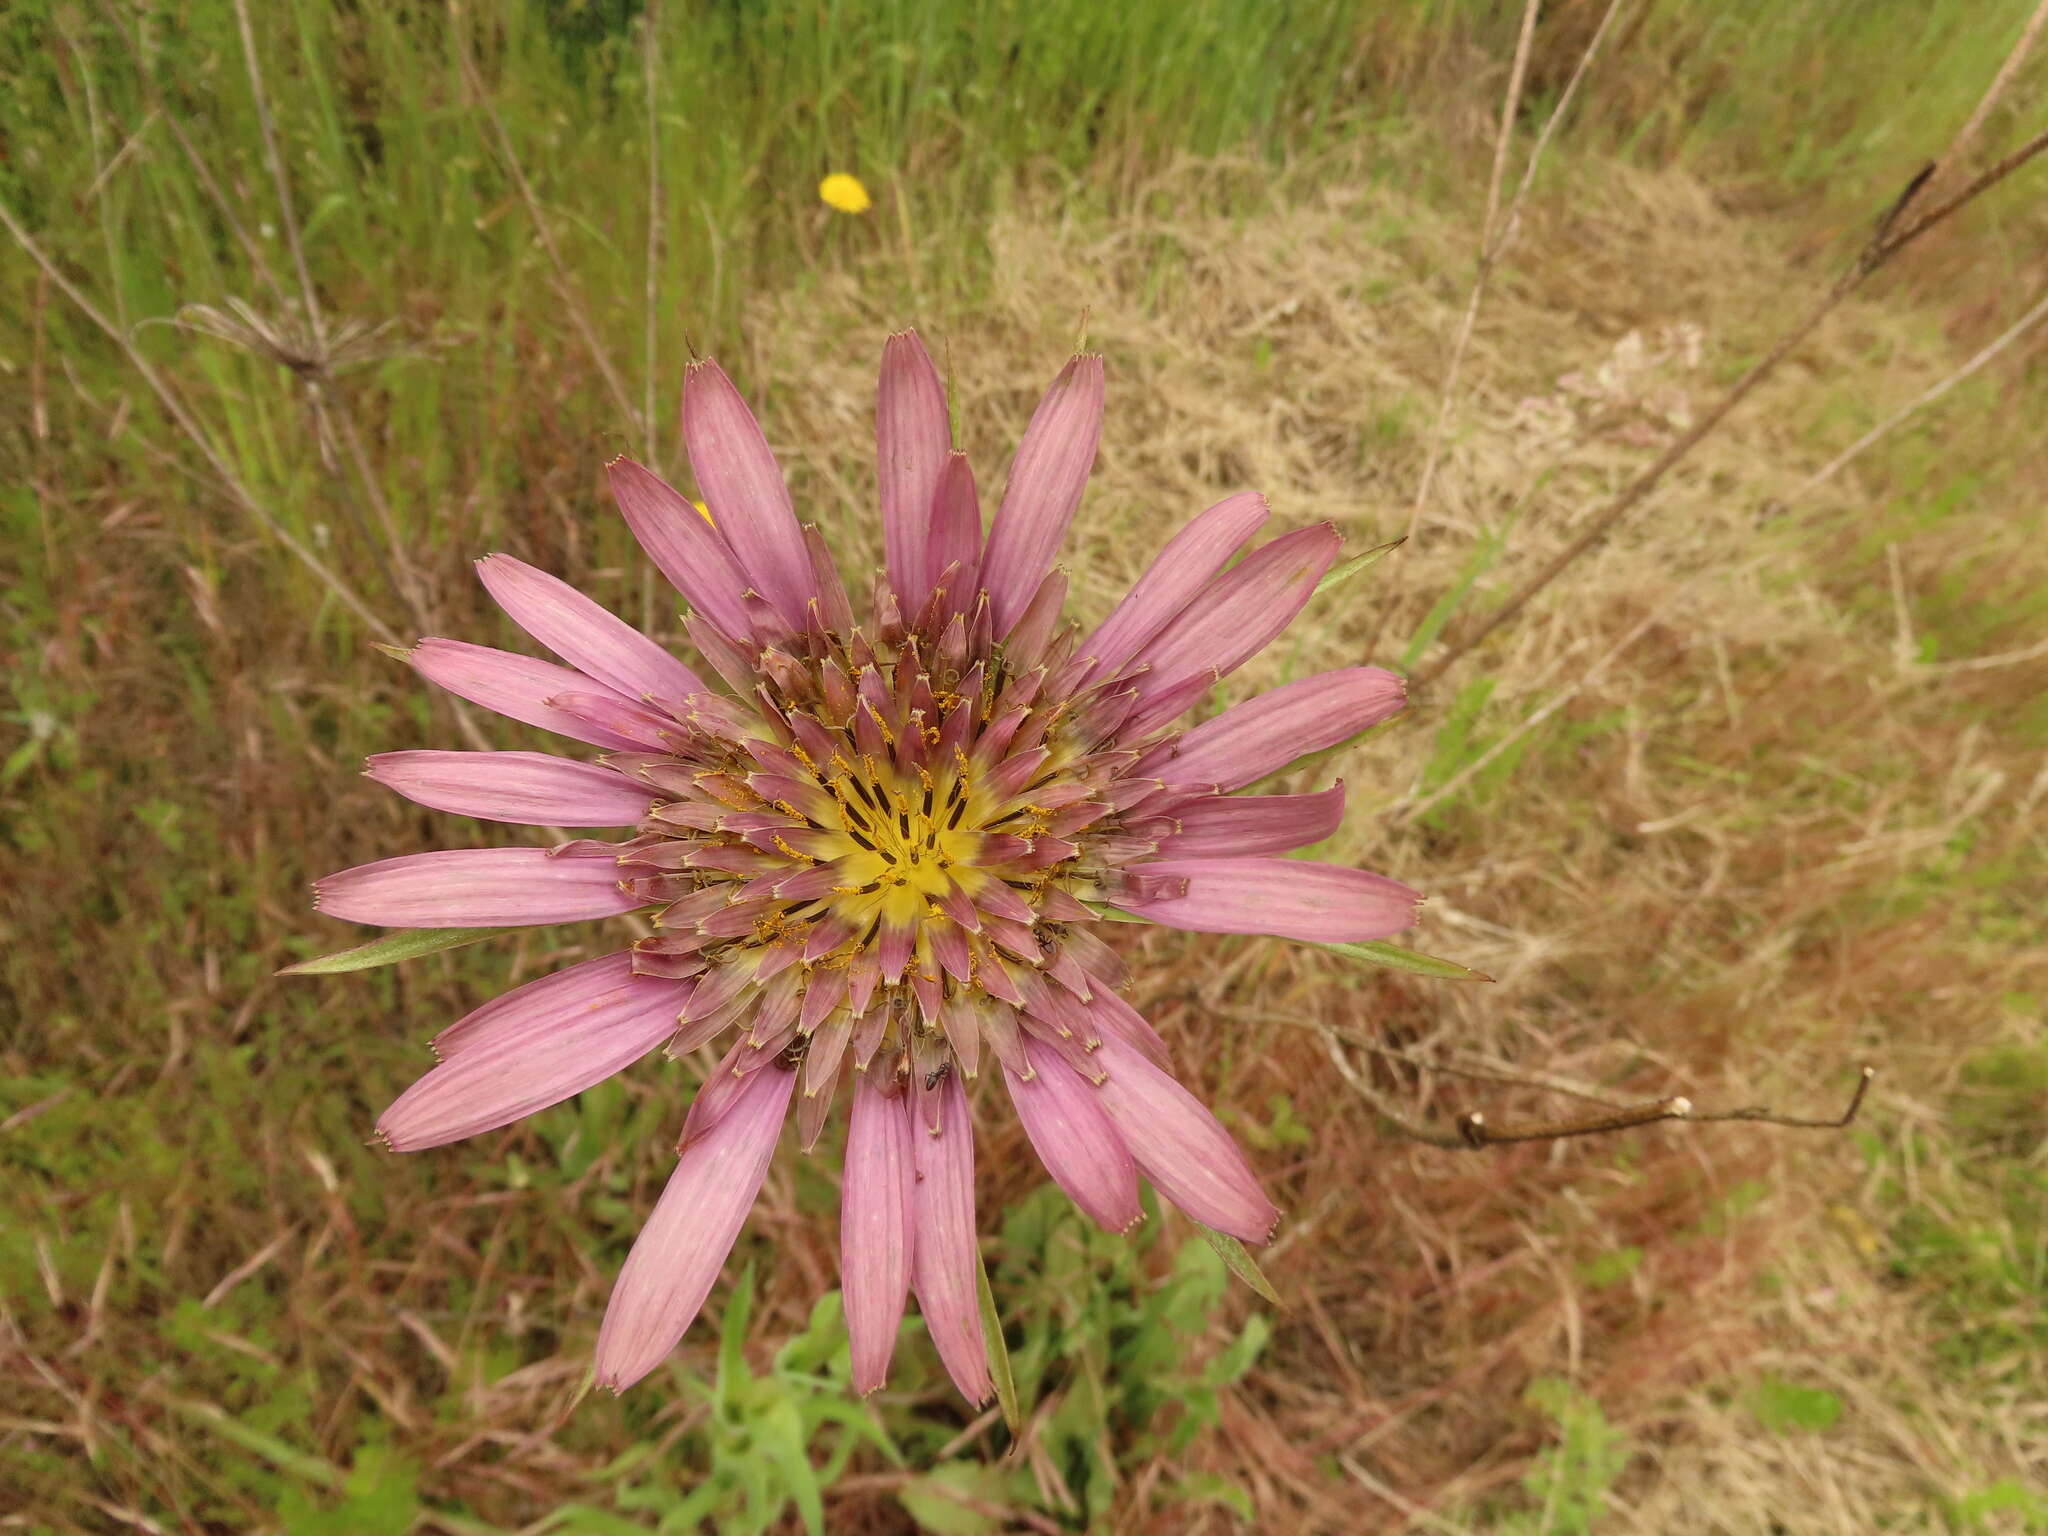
873,848
844,193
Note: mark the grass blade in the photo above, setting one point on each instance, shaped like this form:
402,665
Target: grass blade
1337,575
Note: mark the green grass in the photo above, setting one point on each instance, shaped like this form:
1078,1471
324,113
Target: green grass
185,704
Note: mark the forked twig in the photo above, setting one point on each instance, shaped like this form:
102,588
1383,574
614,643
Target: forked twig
1471,1132
1474,1132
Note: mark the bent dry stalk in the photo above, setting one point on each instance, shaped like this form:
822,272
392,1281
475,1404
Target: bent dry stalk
880,846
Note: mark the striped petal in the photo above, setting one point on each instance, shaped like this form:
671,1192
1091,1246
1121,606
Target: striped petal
1236,825
877,1228
1233,618
595,642
686,1241
1075,1139
530,788
1287,898
744,488
1046,480
534,1047
1183,1149
1263,735
517,687
477,888
956,531
688,550
944,1258
913,440
1188,563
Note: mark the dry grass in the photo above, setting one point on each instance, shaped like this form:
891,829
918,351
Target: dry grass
1740,856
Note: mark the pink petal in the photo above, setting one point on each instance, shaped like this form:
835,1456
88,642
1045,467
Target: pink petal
1234,617
1263,735
1184,567
1046,480
913,438
541,1004
1245,824
530,788
877,1228
1183,1150
1076,1139
744,488
686,1241
517,687
476,888
944,1258
688,550
597,643
956,531
1288,898
534,1047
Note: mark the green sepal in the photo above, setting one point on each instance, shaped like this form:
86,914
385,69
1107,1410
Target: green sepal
1237,1258
1399,959
1373,952
998,1350
1339,574
407,944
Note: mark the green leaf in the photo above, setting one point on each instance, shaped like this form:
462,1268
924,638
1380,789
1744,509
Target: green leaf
1783,1406
1240,1263
1373,952
934,1500
998,1349
1337,575
407,944
1394,956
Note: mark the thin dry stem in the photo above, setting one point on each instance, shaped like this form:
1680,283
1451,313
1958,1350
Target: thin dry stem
1959,147
1885,244
650,24
287,213
1921,401
572,300
189,425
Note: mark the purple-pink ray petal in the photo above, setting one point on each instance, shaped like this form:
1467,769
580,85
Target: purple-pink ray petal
913,438
530,788
1046,481
1287,898
1264,734
945,1259
534,1047
475,888
518,687
596,642
744,488
691,553
954,543
686,1240
1233,618
1075,1139
1182,1148
877,1231
1237,825
1187,564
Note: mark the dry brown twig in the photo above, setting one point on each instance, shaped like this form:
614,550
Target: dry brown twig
1894,232
1497,232
1472,1132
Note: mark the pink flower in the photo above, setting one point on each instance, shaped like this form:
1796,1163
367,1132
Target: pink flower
869,848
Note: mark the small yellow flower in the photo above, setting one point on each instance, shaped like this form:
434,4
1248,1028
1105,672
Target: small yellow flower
845,193
703,512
